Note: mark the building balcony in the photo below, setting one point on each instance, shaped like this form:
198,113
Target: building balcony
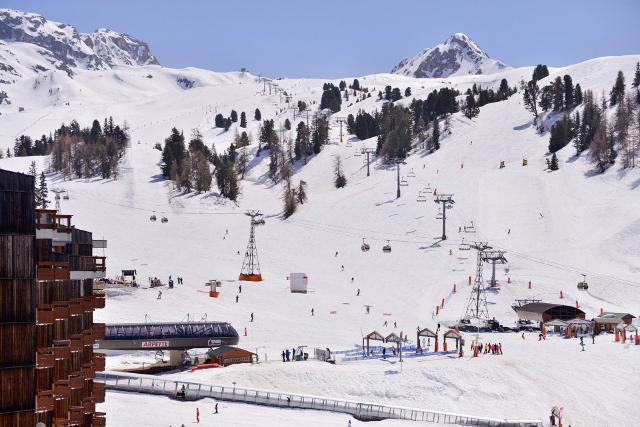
61,310
45,358
99,331
99,302
93,263
45,314
45,401
98,392
99,362
48,270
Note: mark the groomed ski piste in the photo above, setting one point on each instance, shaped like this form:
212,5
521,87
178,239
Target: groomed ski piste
562,224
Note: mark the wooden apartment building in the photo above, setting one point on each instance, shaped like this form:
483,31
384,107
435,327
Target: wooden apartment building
47,269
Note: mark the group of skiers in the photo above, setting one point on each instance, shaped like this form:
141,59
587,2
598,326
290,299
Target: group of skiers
486,348
289,356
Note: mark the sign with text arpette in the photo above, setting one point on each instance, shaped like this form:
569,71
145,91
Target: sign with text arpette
155,344
211,343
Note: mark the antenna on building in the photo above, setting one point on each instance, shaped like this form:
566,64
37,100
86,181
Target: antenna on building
251,266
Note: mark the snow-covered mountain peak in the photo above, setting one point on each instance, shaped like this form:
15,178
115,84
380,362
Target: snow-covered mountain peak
457,55
63,47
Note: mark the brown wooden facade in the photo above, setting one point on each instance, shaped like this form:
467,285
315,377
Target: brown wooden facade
47,363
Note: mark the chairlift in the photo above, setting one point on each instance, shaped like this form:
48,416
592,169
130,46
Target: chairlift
411,174
153,217
258,221
583,286
464,246
365,246
403,182
428,188
387,247
164,219
66,195
421,197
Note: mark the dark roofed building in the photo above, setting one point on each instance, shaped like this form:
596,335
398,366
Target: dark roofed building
544,312
227,355
608,320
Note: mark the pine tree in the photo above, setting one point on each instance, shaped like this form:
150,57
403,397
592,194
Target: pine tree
301,192
243,120
470,108
32,169
257,115
569,100
407,92
339,179
530,94
558,94
42,193
540,72
287,124
219,121
617,92
636,77
599,148
435,138
355,85
302,146
342,85
577,95
234,116
554,163
8,153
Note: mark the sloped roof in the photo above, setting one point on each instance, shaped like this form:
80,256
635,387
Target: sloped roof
219,351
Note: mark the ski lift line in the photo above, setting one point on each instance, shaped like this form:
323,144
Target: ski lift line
166,212
569,268
379,239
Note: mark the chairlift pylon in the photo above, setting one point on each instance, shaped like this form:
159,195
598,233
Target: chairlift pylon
365,246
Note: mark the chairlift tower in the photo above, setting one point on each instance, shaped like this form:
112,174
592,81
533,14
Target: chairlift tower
368,152
341,120
398,162
447,203
494,257
251,266
477,305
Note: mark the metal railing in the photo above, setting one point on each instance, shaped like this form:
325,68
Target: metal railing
361,410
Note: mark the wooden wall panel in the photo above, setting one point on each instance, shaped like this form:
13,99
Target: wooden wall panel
17,344
17,388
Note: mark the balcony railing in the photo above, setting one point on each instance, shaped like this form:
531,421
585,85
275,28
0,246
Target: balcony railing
93,263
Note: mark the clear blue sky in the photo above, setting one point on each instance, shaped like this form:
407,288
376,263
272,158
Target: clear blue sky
330,38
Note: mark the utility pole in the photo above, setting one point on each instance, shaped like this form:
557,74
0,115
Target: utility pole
398,162
494,257
477,305
368,152
447,203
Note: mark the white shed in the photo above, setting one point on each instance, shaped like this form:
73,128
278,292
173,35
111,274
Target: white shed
298,282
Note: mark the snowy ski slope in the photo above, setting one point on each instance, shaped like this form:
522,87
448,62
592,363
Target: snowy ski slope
562,224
